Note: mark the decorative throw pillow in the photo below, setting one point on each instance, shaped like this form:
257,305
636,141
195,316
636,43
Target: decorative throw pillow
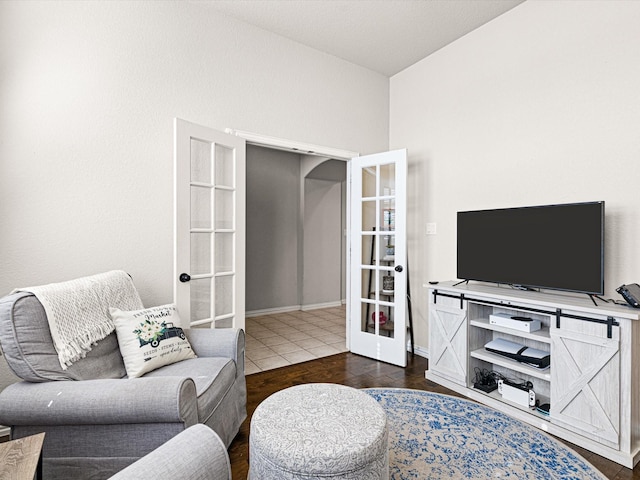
150,338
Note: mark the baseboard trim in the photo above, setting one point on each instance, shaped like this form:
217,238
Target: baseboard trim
292,308
316,306
269,311
420,351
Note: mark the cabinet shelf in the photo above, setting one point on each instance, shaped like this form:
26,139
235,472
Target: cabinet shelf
541,335
482,354
496,396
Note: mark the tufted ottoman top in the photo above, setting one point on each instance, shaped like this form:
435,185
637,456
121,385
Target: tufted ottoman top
319,428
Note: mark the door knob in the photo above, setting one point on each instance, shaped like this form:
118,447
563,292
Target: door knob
185,277
398,268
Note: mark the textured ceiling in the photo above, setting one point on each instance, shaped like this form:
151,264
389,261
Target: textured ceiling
386,36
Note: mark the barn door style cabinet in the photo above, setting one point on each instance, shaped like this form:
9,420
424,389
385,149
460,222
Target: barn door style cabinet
592,384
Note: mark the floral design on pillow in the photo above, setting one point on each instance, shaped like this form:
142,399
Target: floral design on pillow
153,332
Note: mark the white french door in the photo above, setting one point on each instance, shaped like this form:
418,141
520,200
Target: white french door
378,253
209,229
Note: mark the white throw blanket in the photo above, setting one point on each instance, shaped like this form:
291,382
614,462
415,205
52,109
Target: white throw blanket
78,310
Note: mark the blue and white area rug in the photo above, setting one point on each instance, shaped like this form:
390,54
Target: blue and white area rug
443,437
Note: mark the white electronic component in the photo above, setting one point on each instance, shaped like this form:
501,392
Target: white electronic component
526,398
507,320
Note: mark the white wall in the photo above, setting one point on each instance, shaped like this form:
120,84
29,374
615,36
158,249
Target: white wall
323,273
89,91
324,223
539,106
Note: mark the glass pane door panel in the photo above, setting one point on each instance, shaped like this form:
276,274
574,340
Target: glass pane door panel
369,218
386,325
387,180
224,295
200,207
368,283
387,248
224,252
200,299
366,316
369,182
387,285
378,318
388,214
224,209
367,244
201,161
200,253
224,166
224,323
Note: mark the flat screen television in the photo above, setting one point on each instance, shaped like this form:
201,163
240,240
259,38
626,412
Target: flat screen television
559,247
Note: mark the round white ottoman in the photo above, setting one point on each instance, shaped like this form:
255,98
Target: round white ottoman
319,430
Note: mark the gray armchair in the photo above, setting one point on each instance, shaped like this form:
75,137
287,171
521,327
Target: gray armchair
96,420
196,453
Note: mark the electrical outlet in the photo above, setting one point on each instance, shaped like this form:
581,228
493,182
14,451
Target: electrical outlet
431,229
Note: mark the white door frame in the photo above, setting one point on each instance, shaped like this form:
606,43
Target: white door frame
310,149
293,146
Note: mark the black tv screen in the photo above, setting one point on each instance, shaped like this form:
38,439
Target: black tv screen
558,247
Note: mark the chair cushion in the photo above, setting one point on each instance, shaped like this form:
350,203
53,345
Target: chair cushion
213,376
29,351
150,338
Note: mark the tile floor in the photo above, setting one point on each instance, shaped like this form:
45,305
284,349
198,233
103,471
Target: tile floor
282,339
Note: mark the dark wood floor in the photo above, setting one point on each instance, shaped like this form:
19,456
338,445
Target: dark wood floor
360,372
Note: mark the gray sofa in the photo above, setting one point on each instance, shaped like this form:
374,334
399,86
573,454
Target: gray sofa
196,453
96,420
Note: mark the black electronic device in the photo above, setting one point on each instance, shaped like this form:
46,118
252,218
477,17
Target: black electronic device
485,381
631,293
559,247
544,408
486,387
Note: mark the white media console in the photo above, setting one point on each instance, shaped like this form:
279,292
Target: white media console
593,383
